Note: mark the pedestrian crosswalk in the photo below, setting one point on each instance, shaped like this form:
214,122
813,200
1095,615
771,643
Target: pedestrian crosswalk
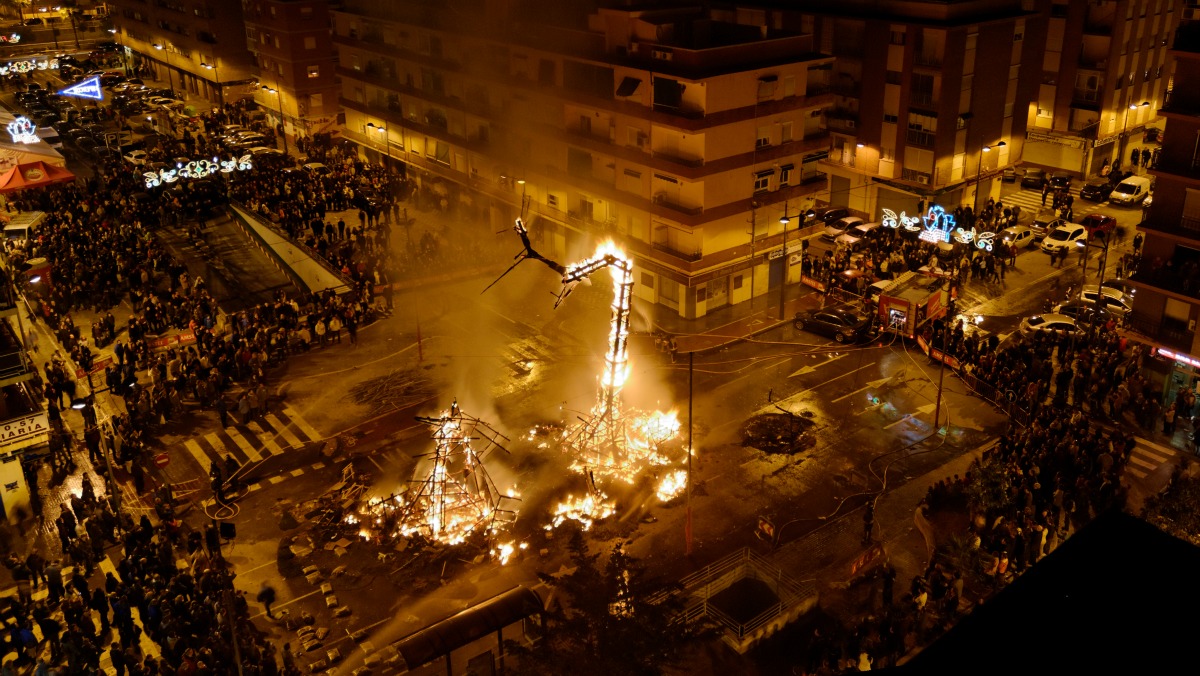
522,355
272,434
1148,456
1030,202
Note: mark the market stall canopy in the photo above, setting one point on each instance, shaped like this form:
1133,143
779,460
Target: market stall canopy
33,175
26,149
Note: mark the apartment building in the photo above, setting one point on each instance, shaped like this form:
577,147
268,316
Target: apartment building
1167,305
1102,78
929,97
293,54
198,46
24,424
686,133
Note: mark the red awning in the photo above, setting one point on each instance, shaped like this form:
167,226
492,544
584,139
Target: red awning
33,175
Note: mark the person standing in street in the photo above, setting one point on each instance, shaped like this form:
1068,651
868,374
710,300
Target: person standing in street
266,596
223,410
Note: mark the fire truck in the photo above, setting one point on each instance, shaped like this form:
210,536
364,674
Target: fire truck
912,300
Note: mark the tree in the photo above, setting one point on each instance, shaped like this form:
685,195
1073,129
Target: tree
989,488
608,620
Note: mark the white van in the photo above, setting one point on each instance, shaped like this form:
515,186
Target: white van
1132,190
23,226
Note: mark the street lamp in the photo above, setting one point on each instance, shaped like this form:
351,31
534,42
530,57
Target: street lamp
979,171
282,125
784,220
1125,129
170,75
383,129
216,78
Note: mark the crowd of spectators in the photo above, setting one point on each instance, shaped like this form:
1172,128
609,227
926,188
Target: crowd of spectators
175,591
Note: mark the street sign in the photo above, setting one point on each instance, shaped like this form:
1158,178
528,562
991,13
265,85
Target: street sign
87,89
162,460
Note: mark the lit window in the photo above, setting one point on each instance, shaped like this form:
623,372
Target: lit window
314,71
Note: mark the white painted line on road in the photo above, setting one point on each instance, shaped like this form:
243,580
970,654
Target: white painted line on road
308,430
819,385
813,367
1138,461
907,417
1146,443
292,440
1136,472
267,437
318,465
288,603
198,453
297,472
864,388
254,487
275,479
243,443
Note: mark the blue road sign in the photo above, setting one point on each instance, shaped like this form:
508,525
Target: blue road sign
88,89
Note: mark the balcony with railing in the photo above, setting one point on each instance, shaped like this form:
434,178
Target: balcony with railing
919,97
1170,332
15,364
1086,98
1179,276
921,138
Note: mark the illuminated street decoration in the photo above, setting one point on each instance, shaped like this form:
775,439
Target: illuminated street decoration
611,441
910,223
27,66
937,226
197,169
87,89
12,38
23,130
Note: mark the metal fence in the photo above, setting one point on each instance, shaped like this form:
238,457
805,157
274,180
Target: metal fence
705,584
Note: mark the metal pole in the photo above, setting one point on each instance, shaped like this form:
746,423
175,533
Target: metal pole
753,226
937,407
688,525
282,121
784,278
978,174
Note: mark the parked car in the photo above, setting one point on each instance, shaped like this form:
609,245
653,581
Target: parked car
1063,239
841,325
857,237
1034,178
1082,311
1060,180
1108,298
1009,175
1123,285
831,214
1019,236
1098,223
1097,190
835,229
136,157
1050,321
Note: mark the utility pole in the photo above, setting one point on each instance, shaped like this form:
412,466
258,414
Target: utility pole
688,526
